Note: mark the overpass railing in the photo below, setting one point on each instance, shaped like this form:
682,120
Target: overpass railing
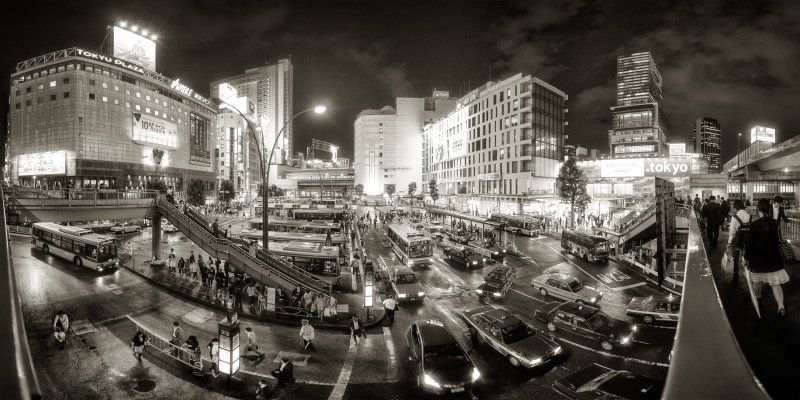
18,378
707,362
80,197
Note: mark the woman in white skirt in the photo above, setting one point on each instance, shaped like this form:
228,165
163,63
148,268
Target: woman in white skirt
763,258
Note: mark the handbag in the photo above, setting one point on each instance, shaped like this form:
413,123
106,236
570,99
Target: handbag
787,252
727,262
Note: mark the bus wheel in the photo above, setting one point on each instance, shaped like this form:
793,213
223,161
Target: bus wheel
46,249
78,262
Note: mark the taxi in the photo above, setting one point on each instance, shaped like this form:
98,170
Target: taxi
440,364
167,226
515,340
566,287
125,227
655,308
466,257
599,382
405,285
497,282
587,322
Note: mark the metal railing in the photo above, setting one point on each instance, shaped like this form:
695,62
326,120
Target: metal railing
22,230
81,197
19,379
707,362
179,353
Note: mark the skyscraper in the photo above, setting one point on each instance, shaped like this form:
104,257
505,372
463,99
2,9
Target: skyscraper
707,137
272,89
639,127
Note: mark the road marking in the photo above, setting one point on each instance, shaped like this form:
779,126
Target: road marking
393,368
528,296
344,375
636,360
629,286
575,265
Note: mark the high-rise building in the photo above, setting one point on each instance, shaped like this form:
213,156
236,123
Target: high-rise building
271,87
707,137
236,150
388,142
503,141
639,126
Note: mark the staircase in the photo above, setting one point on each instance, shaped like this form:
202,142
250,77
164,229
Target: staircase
266,267
639,224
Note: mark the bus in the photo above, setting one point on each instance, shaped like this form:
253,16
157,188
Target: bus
313,257
319,214
590,247
78,245
295,226
528,225
411,247
337,239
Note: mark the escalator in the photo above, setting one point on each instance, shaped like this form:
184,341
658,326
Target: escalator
642,223
265,267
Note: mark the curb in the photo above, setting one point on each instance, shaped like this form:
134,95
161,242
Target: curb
367,325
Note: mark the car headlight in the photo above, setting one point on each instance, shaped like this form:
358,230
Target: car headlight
428,380
410,263
593,300
536,361
635,328
474,263
558,350
625,340
496,294
475,374
495,253
484,260
420,294
402,295
479,291
430,259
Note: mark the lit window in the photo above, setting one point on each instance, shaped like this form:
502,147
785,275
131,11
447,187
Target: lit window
41,86
127,105
52,83
147,97
127,91
116,88
105,85
147,110
116,101
105,99
139,95
156,113
138,108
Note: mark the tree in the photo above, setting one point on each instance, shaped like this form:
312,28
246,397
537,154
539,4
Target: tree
412,188
433,190
359,189
196,192
275,191
156,185
572,187
390,190
226,191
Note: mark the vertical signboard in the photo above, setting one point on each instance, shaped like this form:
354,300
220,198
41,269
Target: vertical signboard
198,139
665,223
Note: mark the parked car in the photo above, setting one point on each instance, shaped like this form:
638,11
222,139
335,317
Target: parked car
440,364
598,382
566,287
587,322
497,282
655,308
405,285
125,227
465,256
167,226
515,340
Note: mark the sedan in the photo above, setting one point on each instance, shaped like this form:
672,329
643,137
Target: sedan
167,226
587,322
511,337
125,228
440,363
566,287
655,308
598,382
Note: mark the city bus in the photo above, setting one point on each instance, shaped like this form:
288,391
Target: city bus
78,245
411,247
319,214
296,226
527,225
587,246
313,257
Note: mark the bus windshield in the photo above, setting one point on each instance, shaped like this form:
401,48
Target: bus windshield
420,249
106,251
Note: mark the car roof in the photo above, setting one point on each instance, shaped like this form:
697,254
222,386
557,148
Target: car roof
580,310
501,318
434,334
638,387
500,269
672,299
403,270
560,277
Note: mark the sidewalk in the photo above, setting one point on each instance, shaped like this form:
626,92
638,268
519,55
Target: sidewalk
207,295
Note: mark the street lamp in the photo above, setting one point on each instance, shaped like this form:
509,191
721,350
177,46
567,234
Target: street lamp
738,162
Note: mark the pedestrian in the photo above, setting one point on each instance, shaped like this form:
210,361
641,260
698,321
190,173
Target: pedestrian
193,347
61,321
137,344
177,335
61,337
215,227
191,256
264,392
712,213
181,266
171,261
763,258
284,373
251,343
356,328
778,213
213,352
307,333
297,294
740,225
252,297
390,306
308,299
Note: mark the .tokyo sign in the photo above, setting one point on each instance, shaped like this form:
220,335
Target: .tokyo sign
154,131
633,167
667,167
762,134
48,163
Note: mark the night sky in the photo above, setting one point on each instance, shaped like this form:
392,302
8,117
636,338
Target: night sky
738,62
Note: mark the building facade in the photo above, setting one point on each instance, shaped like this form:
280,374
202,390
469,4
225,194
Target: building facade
236,153
388,142
502,143
83,119
271,88
707,139
639,126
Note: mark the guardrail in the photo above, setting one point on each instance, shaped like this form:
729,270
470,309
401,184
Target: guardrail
19,379
22,230
707,362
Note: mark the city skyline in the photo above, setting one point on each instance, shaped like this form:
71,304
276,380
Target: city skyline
353,57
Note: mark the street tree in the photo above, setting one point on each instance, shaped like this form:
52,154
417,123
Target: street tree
196,192
390,190
412,188
275,191
572,187
359,189
226,191
433,190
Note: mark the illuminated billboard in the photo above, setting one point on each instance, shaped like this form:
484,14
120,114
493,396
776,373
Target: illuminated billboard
677,149
154,131
622,167
134,48
48,163
762,134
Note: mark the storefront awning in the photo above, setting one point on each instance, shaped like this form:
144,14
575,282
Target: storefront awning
466,217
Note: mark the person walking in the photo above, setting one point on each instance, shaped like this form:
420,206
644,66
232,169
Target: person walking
177,336
61,337
171,261
264,392
137,344
251,343
284,373
762,256
726,212
712,213
215,227
307,333
252,297
741,221
213,352
181,266
60,327
390,306
192,346
356,328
